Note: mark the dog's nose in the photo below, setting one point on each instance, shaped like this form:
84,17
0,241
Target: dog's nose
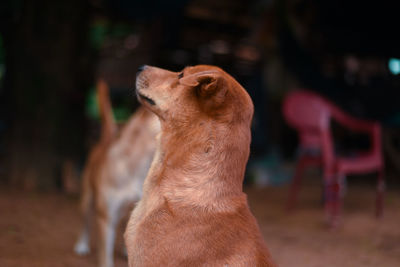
142,68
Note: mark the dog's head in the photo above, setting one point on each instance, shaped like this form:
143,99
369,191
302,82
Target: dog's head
196,92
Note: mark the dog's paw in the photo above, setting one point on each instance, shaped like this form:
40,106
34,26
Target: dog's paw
82,248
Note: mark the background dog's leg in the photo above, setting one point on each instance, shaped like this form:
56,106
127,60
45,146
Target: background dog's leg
107,228
82,246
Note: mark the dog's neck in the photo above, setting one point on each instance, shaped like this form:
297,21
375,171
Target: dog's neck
200,166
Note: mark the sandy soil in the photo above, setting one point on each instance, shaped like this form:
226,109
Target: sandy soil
40,230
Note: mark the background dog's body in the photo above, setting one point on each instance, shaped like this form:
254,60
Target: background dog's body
114,174
193,211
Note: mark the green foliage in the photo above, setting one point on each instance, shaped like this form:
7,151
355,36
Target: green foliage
120,30
100,30
92,107
121,112
98,33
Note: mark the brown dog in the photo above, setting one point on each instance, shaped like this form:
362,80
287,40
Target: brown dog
193,211
114,174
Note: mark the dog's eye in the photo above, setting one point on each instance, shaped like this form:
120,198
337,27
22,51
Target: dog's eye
180,75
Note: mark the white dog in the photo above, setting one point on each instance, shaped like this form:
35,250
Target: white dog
114,174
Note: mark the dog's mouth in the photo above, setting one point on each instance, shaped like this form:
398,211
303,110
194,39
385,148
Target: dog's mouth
146,98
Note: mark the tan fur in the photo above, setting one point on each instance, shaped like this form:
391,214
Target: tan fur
114,174
193,211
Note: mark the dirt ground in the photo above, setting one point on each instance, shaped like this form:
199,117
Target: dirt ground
40,229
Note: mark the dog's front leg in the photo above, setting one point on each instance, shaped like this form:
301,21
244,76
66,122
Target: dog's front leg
107,228
82,246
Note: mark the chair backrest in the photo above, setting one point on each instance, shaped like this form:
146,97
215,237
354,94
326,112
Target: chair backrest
309,114
306,110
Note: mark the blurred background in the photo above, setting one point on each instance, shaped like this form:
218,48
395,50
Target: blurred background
52,53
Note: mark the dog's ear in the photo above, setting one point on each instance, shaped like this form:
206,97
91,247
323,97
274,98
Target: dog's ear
206,82
210,87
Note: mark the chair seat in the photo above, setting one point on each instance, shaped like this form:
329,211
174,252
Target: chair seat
357,165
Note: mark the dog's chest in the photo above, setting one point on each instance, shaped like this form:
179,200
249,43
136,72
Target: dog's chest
178,237
145,229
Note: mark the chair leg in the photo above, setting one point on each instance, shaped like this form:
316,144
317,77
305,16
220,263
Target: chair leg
333,199
294,188
338,194
380,193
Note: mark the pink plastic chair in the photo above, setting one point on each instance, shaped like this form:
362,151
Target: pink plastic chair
311,115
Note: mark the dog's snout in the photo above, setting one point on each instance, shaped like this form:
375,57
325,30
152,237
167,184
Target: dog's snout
141,68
